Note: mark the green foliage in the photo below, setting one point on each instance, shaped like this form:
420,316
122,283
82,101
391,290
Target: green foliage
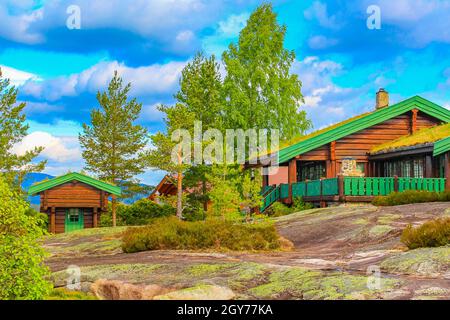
259,89
410,196
22,273
41,218
12,130
139,213
113,145
251,181
171,233
64,294
279,209
224,193
434,233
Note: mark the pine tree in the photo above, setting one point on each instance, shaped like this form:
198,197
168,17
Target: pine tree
170,154
259,89
12,130
113,145
201,94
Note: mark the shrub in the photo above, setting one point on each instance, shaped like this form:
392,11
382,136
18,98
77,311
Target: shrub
434,233
279,209
22,273
41,218
139,213
171,233
410,196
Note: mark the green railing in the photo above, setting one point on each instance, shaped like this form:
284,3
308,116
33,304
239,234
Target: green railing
356,186
298,189
352,186
330,187
270,198
284,191
426,184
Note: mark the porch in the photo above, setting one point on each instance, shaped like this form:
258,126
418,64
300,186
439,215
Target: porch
347,189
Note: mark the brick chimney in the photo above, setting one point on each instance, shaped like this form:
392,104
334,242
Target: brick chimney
382,99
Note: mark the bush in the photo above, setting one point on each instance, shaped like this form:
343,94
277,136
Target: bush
22,272
41,218
410,196
279,209
171,233
434,233
139,213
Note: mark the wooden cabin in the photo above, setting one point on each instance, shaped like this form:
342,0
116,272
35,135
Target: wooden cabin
393,148
73,201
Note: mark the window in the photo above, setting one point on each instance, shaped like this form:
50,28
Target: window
312,170
73,215
407,167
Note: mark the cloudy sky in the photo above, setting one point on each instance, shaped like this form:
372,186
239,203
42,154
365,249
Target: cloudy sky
340,61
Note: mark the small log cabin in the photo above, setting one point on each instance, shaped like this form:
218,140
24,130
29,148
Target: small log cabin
73,201
393,148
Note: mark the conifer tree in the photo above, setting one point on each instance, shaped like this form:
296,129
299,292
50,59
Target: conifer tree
113,144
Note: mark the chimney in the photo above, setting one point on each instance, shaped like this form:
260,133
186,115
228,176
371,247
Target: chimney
382,99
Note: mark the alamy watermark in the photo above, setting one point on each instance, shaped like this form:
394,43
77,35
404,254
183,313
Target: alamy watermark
74,19
374,19
237,146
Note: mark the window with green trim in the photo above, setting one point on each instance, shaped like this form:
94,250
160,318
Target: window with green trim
312,170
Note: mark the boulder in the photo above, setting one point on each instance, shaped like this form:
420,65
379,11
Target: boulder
119,290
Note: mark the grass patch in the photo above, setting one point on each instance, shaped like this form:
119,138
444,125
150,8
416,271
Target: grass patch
308,284
422,136
64,294
410,196
434,233
380,230
126,272
423,261
104,232
171,233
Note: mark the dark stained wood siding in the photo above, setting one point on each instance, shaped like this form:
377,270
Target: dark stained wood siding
73,195
358,145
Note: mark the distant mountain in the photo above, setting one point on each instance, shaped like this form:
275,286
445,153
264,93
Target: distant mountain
33,178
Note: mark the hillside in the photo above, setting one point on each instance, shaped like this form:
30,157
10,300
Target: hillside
334,249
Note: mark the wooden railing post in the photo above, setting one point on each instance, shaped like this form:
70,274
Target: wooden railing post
341,187
447,170
53,220
395,183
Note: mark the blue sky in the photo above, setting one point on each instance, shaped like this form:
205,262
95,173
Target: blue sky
340,61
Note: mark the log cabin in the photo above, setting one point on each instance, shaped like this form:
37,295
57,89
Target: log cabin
392,148
73,201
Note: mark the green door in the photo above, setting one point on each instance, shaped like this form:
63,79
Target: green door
74,220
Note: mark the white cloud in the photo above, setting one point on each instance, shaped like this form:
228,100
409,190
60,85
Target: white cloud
60,149
17,77
321,42
319,12
146,80
24,22
226,31
18,27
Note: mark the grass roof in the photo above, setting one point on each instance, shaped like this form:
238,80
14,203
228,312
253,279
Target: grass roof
423,136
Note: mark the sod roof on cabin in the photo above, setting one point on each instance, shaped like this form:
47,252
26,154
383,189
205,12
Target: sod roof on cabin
48,184
424,136
355,124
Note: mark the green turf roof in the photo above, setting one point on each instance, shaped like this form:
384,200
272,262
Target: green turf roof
48,184
358,123
441,146
427,135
